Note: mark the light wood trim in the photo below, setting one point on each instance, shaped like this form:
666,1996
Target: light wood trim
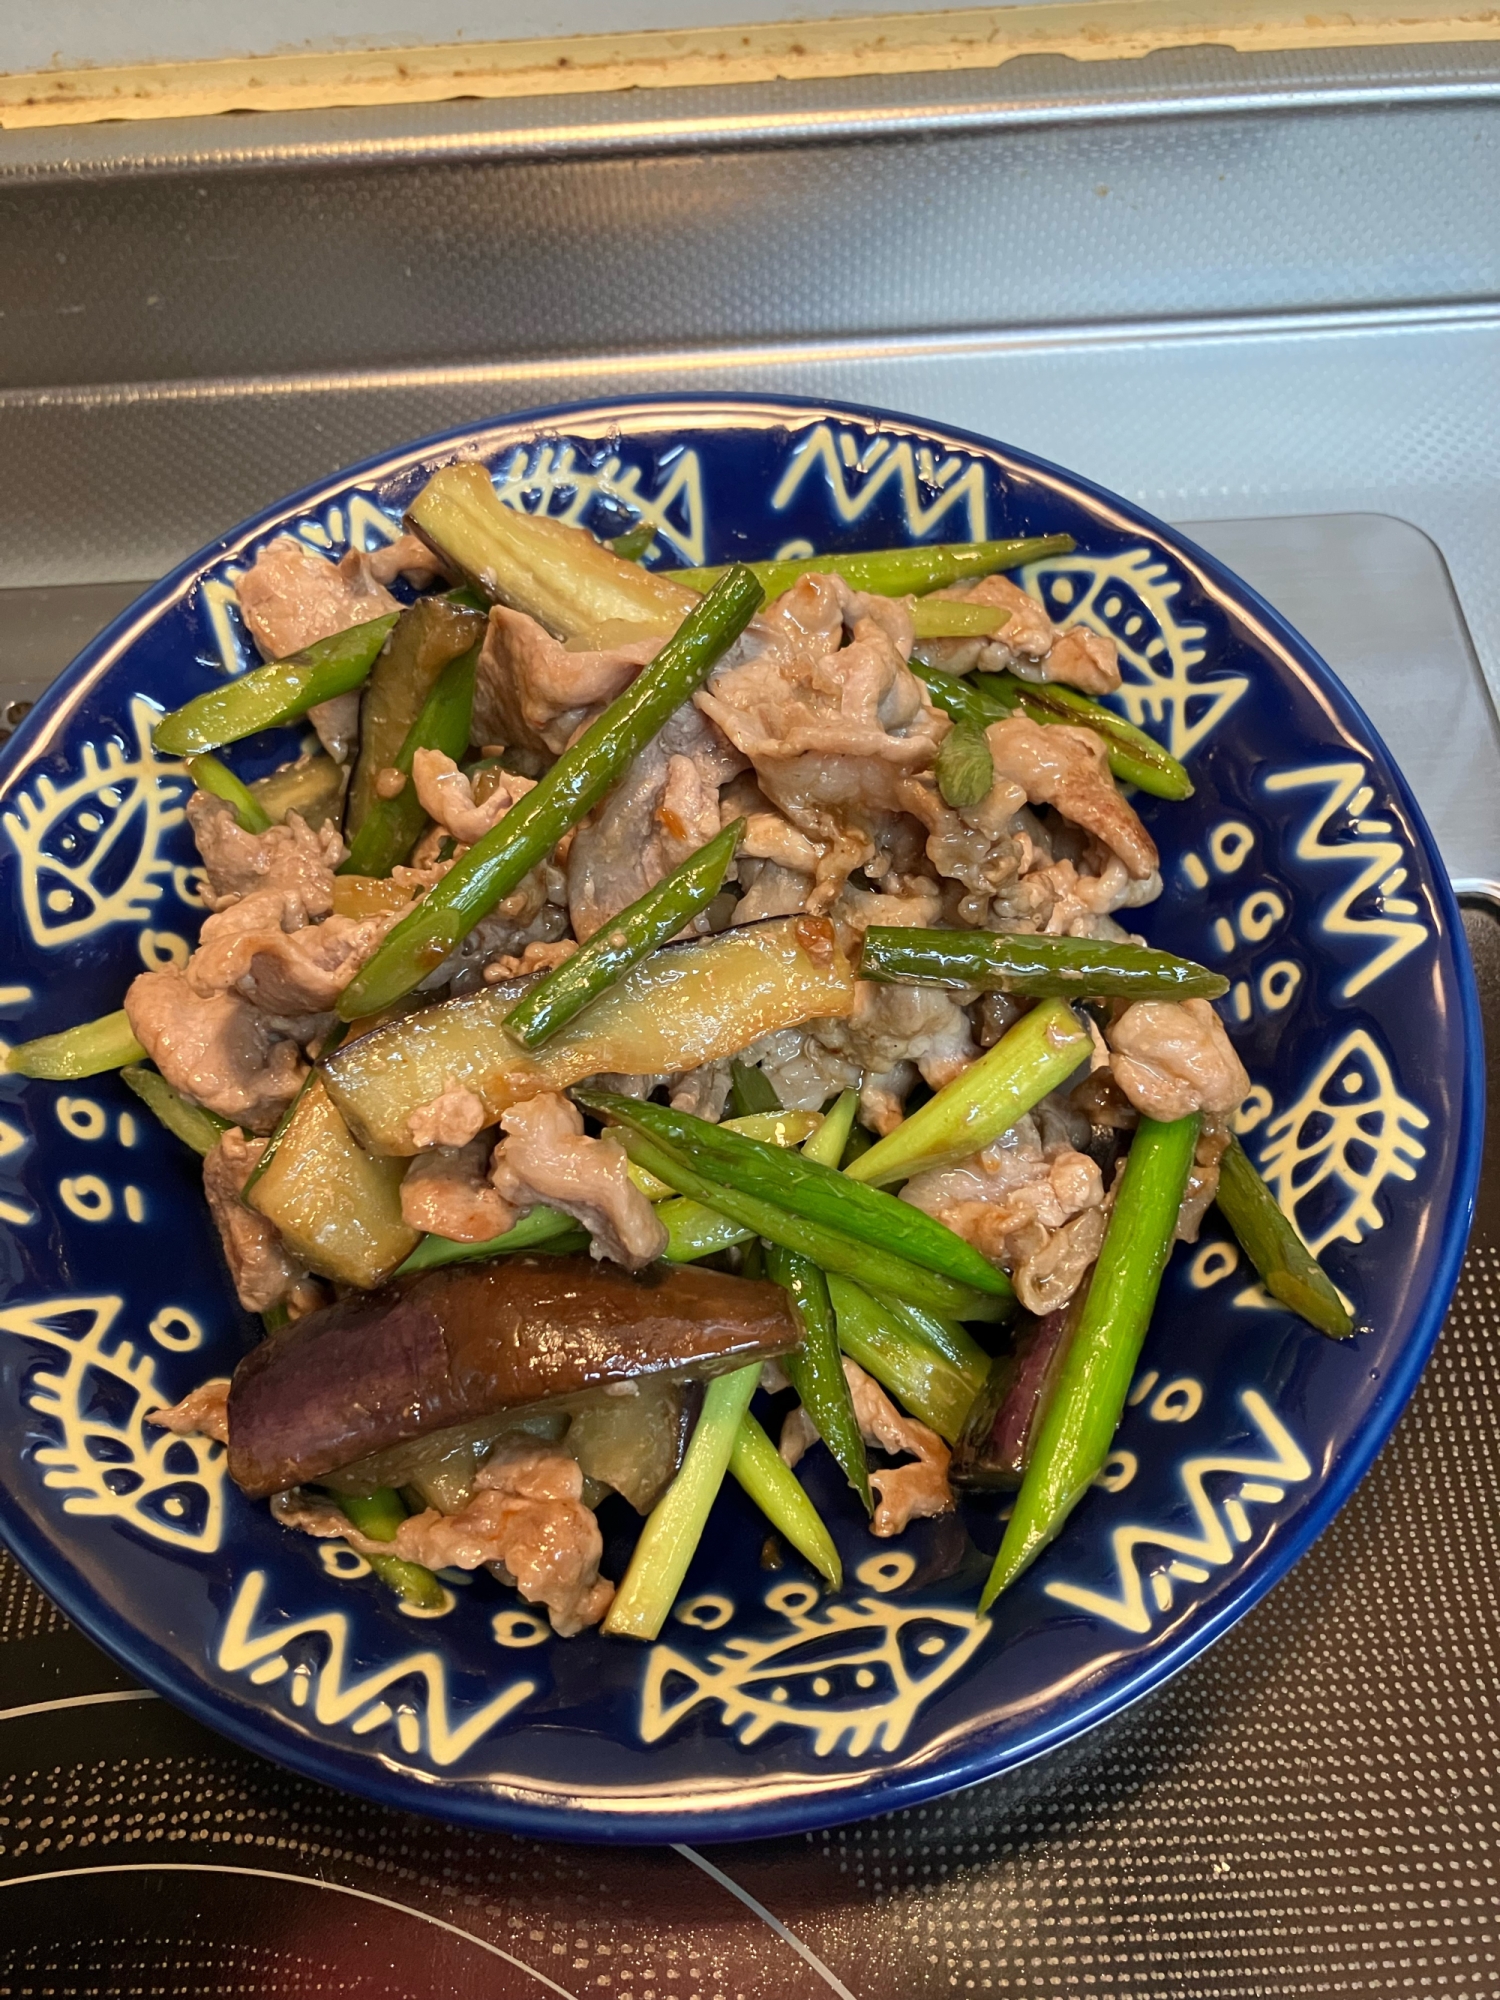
962,39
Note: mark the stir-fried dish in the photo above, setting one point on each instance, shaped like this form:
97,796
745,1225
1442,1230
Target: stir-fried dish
663,988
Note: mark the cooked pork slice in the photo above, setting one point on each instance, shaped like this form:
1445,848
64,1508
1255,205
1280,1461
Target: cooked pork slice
306,971
939,1040
534,913
532,958
1047,1274
1008,1188
624,1084
1080,658
1173,1057
1102,1102
801,1069
775,864
408,556
895,1033
452,1119
1057,765
798,1431
769,837
1203,1179
447,1192
810,621
289,857
1027,634
704,1092
1082,902
546,1159
290,597
203,1412
834,733
263,948
447,796
1028,644
221,1052
1019,874
882,1097
771,891
904,1493
526,1519
1030,1202
987,849
899,900
549,1542
664,808
996,1015
337,724
264,1275
530,690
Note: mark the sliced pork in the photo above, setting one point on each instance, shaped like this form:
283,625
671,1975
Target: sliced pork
771,891
904,1493
447,1192
531,958
203,1412
895,1034
291,597
264,1275
1174,1057
534,914
1203,1178
451,1119
263,948
1027,644
1063,869
802,1070
834,733
222,1052
408,557
546,1159
526,1520
290,857
447,796
1060,766
531,691
703,1092
664,808
1031,1202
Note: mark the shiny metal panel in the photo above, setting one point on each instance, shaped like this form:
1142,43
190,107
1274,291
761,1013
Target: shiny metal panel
1227,286
1375,598
289,271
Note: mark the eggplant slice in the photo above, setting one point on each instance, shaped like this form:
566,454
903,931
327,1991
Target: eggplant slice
447,1348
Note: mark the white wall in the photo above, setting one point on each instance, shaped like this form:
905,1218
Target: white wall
70,34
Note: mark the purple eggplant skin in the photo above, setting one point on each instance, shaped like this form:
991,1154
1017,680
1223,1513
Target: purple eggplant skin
452,1346
997,1438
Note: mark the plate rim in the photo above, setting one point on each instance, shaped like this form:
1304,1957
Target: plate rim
895,1787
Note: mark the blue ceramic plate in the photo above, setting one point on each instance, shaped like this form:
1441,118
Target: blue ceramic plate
1301,867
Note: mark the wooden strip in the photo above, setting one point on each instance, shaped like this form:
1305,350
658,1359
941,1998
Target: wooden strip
963,39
